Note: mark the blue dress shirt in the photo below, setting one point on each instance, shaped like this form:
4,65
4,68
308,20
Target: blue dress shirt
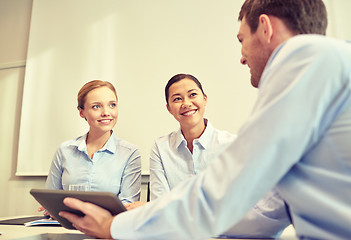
298,137
115,168
171,162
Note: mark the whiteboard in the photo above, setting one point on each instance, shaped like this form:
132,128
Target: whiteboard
138,46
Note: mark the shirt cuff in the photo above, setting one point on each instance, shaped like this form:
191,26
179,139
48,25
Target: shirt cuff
122,225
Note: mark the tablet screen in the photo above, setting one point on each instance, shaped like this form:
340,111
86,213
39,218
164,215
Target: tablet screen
52,201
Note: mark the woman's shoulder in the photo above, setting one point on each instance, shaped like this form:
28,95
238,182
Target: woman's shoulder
219,134
127,144
223,135
76,141
172,136
122,143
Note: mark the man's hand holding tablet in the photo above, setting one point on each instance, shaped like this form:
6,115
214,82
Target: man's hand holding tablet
96,221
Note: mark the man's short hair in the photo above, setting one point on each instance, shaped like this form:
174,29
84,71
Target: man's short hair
299,16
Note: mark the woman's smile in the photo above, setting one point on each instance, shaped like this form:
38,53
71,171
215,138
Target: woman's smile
189,113
105,121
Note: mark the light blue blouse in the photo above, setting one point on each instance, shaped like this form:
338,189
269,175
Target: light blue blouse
171,162
298,137
115,168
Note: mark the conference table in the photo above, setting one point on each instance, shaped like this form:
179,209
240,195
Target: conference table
21,232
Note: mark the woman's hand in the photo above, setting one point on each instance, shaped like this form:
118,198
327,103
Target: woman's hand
46,213
96,222
41,209
130,206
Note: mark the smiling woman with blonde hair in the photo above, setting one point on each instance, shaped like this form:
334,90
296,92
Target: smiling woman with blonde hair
98,159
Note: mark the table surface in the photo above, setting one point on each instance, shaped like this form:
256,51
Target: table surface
58,233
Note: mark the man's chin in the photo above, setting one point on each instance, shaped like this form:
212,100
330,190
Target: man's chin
254,82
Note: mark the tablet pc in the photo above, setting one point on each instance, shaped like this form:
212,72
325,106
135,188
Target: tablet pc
52,201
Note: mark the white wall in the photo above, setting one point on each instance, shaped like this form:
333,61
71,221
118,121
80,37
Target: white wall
14,30
137,45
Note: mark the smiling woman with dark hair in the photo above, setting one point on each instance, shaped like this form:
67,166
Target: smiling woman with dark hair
186,152
189,150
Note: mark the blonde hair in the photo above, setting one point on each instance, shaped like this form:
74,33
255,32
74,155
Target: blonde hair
89,86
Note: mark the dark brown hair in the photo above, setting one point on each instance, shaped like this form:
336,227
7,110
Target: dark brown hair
177,78
300,16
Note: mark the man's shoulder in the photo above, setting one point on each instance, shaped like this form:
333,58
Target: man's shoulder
308,49
314,42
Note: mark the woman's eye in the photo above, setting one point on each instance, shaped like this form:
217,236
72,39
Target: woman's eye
95,107
177,99
193,94
112,105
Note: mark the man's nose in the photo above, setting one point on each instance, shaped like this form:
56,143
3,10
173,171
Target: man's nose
243,61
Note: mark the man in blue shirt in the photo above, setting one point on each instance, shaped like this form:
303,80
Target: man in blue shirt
297,137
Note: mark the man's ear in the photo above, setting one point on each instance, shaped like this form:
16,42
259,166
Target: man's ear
265,28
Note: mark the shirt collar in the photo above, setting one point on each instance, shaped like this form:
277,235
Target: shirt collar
179,138
203,140
111,144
